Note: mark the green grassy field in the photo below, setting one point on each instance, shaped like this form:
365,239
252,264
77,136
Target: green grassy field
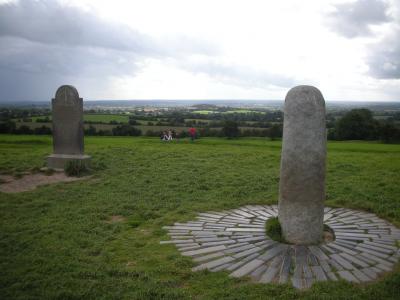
57,242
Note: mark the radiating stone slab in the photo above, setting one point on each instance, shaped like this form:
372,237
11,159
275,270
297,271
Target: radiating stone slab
247,268
214,263
357,259
247,252
269,275
242,261
204,250
346,275
360,275
208,257
319,273
239,249
274,251
344,263
353,259
318,252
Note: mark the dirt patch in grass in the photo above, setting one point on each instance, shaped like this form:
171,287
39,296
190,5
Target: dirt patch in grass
9,184
115,219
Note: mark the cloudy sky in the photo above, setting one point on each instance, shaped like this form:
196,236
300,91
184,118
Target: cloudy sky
208,49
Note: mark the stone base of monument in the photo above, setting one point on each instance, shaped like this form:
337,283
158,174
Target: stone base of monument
58,161
365,247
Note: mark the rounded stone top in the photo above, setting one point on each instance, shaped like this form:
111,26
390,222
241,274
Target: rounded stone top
67,91
305,93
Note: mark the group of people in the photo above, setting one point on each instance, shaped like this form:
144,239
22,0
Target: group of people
169,135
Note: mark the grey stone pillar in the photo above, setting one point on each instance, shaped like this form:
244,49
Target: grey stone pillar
302,176
67,111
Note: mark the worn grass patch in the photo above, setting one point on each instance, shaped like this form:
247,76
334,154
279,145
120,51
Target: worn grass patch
56,242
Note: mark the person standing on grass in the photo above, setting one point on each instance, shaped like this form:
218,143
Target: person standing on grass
192,132
169,135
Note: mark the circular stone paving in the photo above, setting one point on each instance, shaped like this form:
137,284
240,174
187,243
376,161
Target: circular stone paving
235,241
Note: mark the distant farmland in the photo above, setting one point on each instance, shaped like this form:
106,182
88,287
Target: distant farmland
104,118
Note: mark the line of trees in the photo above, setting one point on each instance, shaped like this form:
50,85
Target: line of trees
359,124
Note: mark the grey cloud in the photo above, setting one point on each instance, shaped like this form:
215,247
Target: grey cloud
59,44
238,75
50,22
25,56
384,57
44,44
354,19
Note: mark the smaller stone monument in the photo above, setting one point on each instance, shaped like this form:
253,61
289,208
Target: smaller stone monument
67,111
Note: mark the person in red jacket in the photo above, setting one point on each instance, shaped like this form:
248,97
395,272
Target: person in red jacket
192,133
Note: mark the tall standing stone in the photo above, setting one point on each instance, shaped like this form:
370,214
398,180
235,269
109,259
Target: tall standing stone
302,176
67,111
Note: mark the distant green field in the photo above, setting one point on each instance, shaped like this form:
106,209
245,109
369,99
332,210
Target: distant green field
105,118
242,111
57,242
204,112
143,128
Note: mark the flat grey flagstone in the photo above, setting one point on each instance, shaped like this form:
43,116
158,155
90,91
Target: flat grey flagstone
341,248
204,250
247,252
221,267
256,274
365,246
187,248
374,258
247,268
377,249
208,257
297,282
384,267
239,249
346,243
269,274
360,275
213,263
242,261
319,273
318,252
218,243
375,253
312,260
370,273
353,259
346,275
331,276
285,269
272,252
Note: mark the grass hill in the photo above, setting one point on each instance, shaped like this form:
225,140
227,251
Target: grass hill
99,238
